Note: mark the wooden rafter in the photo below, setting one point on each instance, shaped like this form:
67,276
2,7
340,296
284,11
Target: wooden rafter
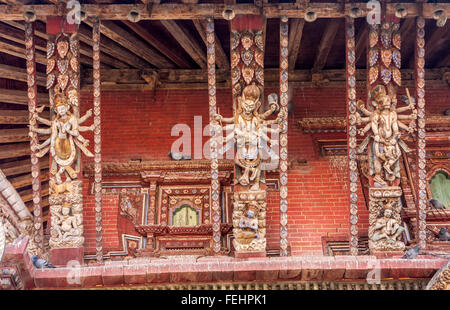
158,44
361,42
20,97
295,37
169,11
325,44
221,58
127,40
85,48
197,78
109,47
406,29
438,40
186,41
20,74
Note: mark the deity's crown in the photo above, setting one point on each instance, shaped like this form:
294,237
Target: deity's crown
251,92
378,92
60,98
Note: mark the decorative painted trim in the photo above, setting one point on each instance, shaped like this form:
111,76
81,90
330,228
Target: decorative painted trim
215,183
38,235
351,133
421,184
284,88
97,141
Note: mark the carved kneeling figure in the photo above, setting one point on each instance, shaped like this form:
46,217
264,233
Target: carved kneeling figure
386,227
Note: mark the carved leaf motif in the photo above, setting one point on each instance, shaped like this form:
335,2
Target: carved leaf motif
50,49
247,74
247,57
386,75
62,65
74,64
259,57
235,75
50,65
373,38
246,41
373,74
63,79
63,48
50,80
386,57
396,40
259,40
235,58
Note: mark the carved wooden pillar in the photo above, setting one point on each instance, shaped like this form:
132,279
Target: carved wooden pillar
97,140
66,143
384,144
215,183
284,87
247,75
38,235
420,147
351,131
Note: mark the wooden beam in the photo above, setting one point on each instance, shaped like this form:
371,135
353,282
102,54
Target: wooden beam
361,42
169,11
295,37
111,48
14,135
126,39
14,117
14,150
186,41
15,35
20,97
17,50
197,78
325,44
221,58
22,166
157,43
407,28
25,180
20,74
85,49
27,195
438,41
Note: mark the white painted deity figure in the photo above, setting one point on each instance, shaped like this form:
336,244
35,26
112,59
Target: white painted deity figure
64,137
250,135
385,123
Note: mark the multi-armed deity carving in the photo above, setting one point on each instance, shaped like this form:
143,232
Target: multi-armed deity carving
65,143
384,150
250,135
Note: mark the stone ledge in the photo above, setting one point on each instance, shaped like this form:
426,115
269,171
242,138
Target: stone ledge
270,269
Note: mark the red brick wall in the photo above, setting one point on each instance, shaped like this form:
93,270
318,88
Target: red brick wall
137,124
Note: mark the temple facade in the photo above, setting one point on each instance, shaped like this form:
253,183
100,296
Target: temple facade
224,145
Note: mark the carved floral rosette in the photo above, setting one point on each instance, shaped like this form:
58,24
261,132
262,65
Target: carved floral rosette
420,147
383,198
67,229
284,60
351,133
248,239
215,183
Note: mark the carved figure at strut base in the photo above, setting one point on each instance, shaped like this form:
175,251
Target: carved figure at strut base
67,218
249,222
